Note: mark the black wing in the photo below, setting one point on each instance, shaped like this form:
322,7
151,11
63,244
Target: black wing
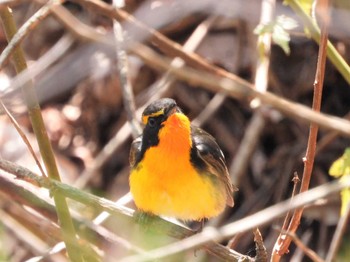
209,151
135,151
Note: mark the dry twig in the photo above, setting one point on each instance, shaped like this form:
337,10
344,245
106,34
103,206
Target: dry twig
283,242
257,123
67,227
310,253
128,95
338,234
261,253
161,86
28,27
23,136
256,220
119,212
244,91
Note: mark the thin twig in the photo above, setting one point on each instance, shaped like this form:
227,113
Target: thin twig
250,222
209,234
309,252
329,137
242,90
166,45
284,241
32,242
238,88
260,249
338,234
96,37
104,155
246,147
264,49
257,123
233,86
173,49
296,181
45,61
67,227
25,29
337,60
125,85
210,109
176,231
161,86
11,3
78,29
28,196
287,220
24,137
119,212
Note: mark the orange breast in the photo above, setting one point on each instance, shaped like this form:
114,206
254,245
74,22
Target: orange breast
165,183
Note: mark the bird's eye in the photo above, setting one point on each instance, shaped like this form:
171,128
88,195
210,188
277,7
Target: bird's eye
151,122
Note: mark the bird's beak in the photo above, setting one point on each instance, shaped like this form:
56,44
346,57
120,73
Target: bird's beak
173,110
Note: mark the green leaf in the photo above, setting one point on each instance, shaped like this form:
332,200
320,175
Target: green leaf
281,38
278,30
341,168
286,22
307,5
345,195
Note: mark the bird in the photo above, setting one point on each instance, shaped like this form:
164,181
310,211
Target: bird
177,170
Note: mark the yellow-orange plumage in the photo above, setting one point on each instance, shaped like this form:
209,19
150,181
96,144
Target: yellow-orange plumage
166,182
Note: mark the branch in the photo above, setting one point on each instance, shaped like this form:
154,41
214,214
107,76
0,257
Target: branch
92,232
332,53
257,123
338,234
173,49
309,252
283,242
125,84
233,86
27,27
23,136
206,237
248,223
119,212
242,90
67,227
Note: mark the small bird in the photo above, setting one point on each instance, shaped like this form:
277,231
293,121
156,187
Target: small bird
177,170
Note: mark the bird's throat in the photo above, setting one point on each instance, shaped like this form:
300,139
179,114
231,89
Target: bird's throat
175,135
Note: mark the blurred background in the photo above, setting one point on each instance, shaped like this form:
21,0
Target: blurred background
78,86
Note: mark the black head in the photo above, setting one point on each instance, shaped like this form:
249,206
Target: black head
153,118
160,108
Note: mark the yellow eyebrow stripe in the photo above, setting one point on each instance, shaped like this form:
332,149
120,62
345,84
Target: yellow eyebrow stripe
158,113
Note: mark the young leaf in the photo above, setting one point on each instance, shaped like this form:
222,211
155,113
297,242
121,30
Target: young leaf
278,30
345,195
307,5
341,168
